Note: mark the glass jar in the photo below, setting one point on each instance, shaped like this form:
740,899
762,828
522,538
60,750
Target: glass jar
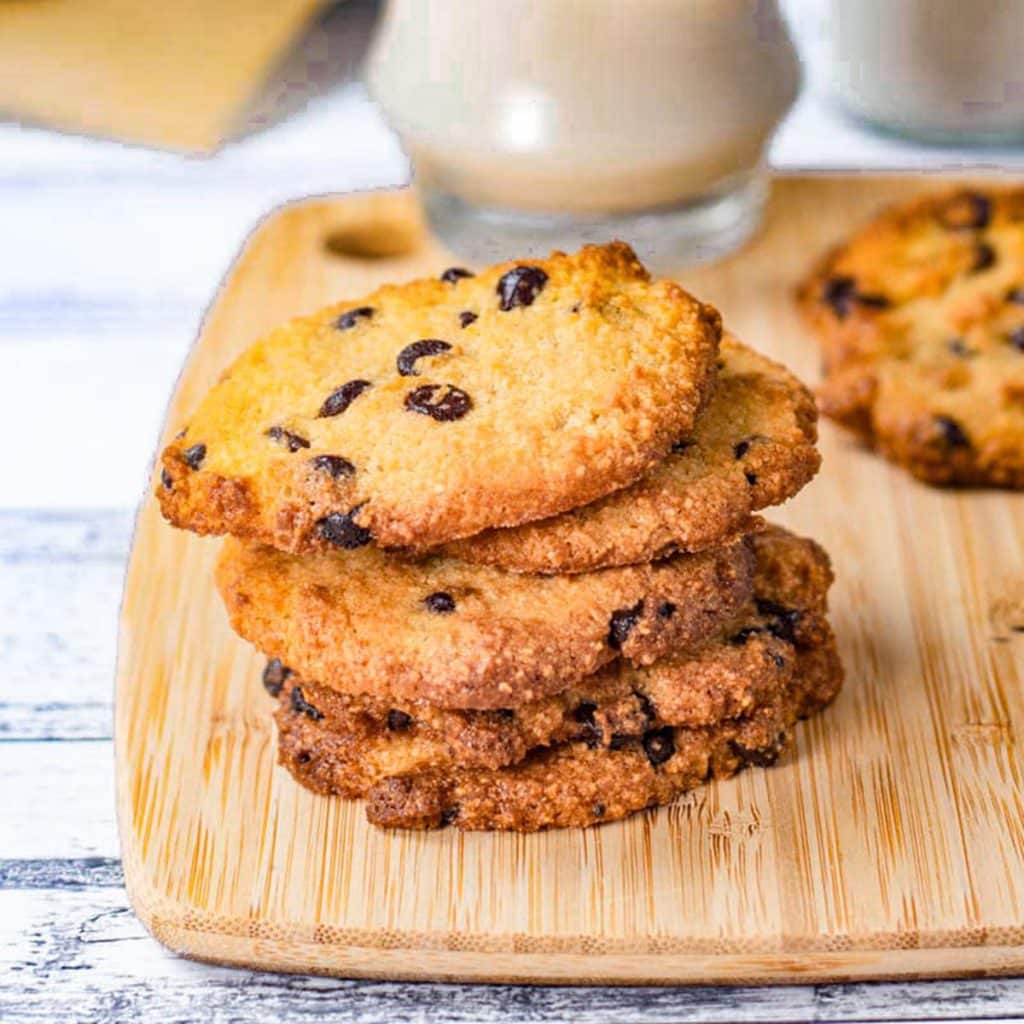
940,70
540,123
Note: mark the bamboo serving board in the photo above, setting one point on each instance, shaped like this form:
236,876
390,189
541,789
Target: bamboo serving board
889,843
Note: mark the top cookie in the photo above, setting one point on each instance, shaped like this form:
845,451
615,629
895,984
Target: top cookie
921,319
752,447
434,410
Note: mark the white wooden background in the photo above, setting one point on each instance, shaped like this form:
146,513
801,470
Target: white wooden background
108,256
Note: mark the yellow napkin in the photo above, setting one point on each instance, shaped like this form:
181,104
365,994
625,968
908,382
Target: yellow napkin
168,73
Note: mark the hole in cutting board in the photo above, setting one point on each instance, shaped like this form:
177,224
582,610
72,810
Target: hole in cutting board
373,240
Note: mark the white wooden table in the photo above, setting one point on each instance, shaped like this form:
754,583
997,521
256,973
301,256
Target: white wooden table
108,256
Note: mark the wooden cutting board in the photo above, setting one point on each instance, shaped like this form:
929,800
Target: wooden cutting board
889,843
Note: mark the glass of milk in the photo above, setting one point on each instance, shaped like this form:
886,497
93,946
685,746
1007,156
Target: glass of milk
535,124
941,70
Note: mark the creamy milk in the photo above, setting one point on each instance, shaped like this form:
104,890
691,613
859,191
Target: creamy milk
944,68
583,106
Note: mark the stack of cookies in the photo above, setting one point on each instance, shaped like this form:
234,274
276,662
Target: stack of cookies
497,534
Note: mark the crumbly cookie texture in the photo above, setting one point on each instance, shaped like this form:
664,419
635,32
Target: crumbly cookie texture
753,446
465,636
577,785
921,321
434,410
352,742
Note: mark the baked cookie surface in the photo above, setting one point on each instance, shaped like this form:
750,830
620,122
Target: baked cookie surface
595,773
753,446
437,409
578,785
464,636
921,320
356,741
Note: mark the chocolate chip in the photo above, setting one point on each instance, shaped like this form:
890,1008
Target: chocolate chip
759,757
646,707
505,714
341,530
193,457
575,308
334,465
659,745
398,720
1016,338
341,398
598,810
452,405
682,445
841,294
454,274
166,480
440,603
520,286
751,478
951,433
780,661
966,211
740,449
621,624
466,318
984,257
406,361
1016,295
293,442
275,675
448,815
301,706
740,637
584,713
958,347
353,316
666,610
783,620
591,733
303,757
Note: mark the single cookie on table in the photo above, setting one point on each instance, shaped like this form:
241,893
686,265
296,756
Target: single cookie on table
753,446
440,408
577,783
750,661
921,321
465,636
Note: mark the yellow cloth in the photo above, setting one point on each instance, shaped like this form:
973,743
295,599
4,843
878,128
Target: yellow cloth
169,74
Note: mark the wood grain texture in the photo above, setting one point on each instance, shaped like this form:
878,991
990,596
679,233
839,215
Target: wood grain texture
82,956
889,844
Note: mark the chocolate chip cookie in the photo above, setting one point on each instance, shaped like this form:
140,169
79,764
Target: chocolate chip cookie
434,410
464,636
752,447
751,661
593,776
921,320
578,785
